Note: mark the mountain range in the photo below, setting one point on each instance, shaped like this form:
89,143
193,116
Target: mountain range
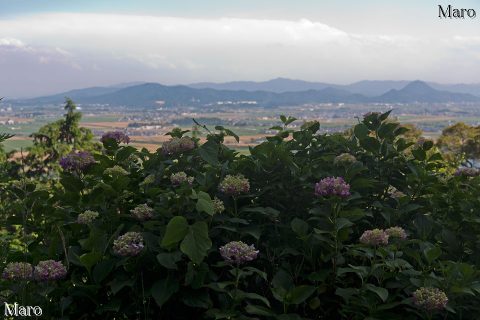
270,93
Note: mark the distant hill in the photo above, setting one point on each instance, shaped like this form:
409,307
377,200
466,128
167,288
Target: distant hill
277,85
419,91
154,94
473,88
369,88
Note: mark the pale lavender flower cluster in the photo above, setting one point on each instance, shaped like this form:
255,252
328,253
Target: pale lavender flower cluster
178,145
396,232
238,252
128,245
115,171
234,185
17,271
77,161
142,212
375,237
218,206
395,193
332,186
87,217
344,159
430,299
118,136
467,172
180,178
49,270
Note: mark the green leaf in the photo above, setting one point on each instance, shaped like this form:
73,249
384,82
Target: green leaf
381,292
253,296
419,154
343,223
205,203
102,269
124,152
361,131
119,283
196,243
169,260
209,152
88,260
163,289
431,254
299,294
259,311
176,230
299,226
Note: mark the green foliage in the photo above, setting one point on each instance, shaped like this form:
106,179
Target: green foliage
460,143
56,139
311,263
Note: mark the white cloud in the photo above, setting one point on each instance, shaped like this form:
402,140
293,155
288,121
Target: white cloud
172,49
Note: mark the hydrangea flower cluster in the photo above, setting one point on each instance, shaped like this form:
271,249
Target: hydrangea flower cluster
396,232
178,145
118,136
395,193
17,271
128,245
142,212
238,252
430,299
148,179
467,172
332,186
87,217
77,161
115,171
234,185
375,237
218,206
49,270
180,178
344,159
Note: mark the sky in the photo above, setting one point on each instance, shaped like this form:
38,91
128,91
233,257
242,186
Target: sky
50,46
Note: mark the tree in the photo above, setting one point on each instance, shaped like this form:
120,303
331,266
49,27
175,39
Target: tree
56,139
460,143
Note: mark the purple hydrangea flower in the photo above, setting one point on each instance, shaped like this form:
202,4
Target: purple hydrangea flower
142,212
77,161
128,245
180,177
178,145
396,232
467,172
374,237
118,136
234,185
49,270
430,299
18,271
238,252
332,186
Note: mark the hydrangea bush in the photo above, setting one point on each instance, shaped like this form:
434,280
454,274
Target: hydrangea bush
356,225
